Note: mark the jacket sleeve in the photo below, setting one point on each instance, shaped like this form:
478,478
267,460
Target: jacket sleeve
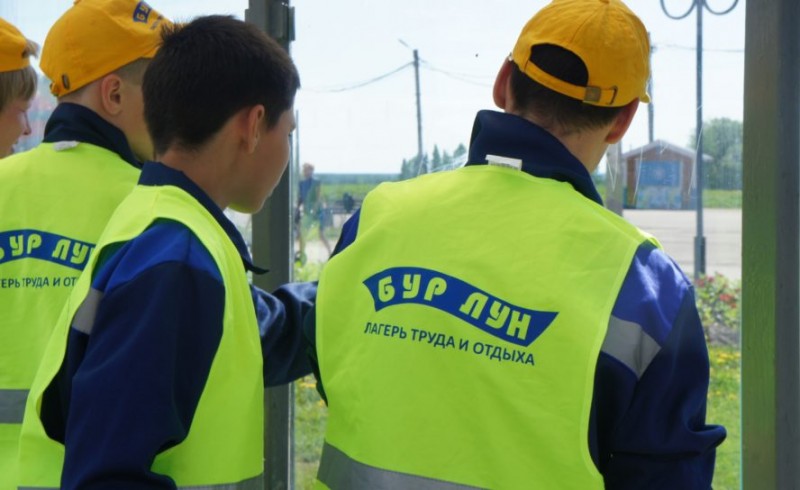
652,384
280,322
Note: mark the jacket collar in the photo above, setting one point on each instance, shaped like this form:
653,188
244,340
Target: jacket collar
542,155
158,174
73,122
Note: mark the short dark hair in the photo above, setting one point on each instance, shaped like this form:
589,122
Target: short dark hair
205,72
552,107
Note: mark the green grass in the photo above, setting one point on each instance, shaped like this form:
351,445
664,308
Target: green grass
334,192
310,418
310,411
724,409
721,198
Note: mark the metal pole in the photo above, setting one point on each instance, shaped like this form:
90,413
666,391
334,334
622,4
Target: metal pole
699,239
651,105
272,244
650,113
423,167
615,178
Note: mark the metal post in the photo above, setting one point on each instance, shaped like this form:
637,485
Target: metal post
615,178
699,239
771,248
419,115
271,244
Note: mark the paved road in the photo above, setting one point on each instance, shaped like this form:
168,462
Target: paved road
676,231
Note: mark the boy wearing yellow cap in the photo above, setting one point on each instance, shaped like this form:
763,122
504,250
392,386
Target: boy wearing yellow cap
496,326
155,373
17,85
17,88
57,197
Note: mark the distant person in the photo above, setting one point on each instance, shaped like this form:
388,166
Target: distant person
348,203
155,374
310,212
495,326
17,88
56,198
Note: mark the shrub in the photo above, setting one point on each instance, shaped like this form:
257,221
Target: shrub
718,299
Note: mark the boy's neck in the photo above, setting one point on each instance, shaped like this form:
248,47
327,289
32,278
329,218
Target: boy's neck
207,167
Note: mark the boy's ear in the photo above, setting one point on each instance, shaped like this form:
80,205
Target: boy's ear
254,125
622,122
111,93
500,89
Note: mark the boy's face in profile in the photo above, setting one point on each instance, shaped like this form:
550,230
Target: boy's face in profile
135,127
13,125
269,161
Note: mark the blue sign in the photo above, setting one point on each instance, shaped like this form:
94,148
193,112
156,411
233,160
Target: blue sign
481,309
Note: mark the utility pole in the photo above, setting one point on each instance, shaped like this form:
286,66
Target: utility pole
422,164
422,169
699,239
271,245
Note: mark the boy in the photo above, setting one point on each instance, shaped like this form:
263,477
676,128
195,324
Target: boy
57,197
17,85
162,384
495,326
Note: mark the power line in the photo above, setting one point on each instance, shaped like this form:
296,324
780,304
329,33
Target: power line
359,84
461,77
693,48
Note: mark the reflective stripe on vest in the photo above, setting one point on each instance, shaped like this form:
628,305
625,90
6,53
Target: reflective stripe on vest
255,483
628,343
12,406
83,321
225,440
339,471
470,355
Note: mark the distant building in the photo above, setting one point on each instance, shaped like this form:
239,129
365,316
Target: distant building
660,175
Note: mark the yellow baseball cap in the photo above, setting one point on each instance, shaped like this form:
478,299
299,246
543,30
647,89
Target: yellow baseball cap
12,48
95,37
606,35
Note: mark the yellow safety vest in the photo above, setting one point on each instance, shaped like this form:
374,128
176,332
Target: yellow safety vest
55,203
224,448
458,335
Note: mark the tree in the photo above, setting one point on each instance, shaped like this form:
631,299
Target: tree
447,160
722,141
460,150
413,167
439,160
436,160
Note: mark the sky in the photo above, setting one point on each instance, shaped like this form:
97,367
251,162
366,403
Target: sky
353,119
